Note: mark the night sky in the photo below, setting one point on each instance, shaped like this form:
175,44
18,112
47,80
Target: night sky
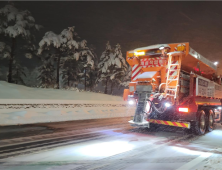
134,24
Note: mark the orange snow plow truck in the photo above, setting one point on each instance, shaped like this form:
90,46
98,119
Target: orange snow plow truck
173,85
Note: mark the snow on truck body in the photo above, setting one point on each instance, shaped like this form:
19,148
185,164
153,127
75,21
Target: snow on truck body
174,85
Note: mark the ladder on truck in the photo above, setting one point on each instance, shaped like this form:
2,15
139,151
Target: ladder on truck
172,91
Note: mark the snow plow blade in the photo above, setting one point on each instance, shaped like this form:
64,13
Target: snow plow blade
169,123
139,124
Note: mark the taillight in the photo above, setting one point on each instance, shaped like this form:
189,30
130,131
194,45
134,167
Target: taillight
183,109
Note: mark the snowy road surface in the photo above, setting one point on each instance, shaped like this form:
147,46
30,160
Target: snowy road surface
106,144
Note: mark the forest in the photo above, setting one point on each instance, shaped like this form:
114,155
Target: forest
66,60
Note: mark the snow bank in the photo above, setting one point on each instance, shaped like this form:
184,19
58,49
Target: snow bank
25,105
42,115
13,91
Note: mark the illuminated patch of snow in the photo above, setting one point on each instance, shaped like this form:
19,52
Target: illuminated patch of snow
105,148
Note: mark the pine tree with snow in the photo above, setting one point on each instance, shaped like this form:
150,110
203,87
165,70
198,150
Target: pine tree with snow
56,46
92,48
31,78
18,73
126,79
103,65
119,69
91,81
88,73
112,66
46,74
5,50
65,45
88,78
87,65
17,25
70,70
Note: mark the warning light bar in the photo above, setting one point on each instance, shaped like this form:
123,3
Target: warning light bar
136,53
183,109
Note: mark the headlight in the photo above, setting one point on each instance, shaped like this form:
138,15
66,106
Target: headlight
167,104
131,102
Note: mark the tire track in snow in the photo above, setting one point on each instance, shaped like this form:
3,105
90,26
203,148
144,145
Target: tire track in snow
117,161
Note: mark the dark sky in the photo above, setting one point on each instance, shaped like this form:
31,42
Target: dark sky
135,24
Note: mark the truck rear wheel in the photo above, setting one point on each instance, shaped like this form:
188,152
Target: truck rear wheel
210,121
199,126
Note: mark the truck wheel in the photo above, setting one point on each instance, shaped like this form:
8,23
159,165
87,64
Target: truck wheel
199,126
210,121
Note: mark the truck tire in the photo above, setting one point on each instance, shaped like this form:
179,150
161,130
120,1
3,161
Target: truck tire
210,121
199,127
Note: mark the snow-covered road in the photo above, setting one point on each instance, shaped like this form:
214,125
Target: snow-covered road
107,144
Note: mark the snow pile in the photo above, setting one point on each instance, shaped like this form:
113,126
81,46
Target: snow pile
13,91
43,115
25,105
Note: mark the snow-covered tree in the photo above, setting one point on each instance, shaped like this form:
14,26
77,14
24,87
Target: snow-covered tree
18,73
70,70
3,72
65,45
88,78
92,48
126,78
31,78
5,50
104,63
87,65
119,69
112,66
46,74
92,79
17,24
92,71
